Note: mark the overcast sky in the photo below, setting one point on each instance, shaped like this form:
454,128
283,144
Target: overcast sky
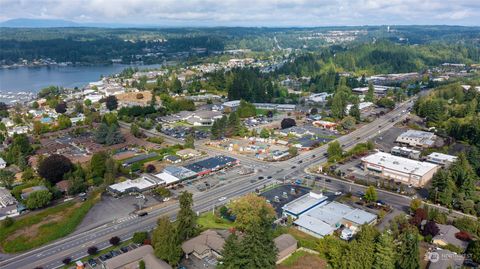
248,12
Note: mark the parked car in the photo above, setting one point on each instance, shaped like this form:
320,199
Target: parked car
92,262
337,193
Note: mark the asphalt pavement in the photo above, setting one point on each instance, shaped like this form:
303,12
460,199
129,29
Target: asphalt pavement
75,245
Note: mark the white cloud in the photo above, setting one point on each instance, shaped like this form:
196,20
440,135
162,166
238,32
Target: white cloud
249,12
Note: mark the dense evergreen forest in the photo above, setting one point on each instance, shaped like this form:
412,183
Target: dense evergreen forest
454,112
99,45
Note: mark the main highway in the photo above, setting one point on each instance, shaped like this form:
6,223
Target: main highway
75,246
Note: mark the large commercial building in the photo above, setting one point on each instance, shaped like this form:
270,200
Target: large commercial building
141,184
212,164
400,169
419,139
315,215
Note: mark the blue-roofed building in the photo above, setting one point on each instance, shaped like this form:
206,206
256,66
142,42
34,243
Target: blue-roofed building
209,165
180,172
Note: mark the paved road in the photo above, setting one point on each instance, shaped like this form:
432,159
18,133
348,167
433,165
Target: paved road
74,246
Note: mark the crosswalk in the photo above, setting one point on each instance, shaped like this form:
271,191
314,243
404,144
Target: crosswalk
131,217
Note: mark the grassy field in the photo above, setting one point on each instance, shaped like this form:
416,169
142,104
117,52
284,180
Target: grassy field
303,260
209,221
304,240
37,229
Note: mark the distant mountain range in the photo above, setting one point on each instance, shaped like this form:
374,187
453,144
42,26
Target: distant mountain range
49,23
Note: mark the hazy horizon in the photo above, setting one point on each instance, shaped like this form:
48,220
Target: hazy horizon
247,13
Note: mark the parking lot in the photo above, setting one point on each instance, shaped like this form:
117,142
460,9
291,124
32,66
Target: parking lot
386,141
213,180
284,194
110,208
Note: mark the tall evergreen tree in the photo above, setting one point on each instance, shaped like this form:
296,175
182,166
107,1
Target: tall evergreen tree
355,111
165,242
231,258
408,251
186,218
384,252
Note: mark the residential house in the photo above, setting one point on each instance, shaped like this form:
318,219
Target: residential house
26,192
8,204
446,236
208,243
286,245
131,259
63,186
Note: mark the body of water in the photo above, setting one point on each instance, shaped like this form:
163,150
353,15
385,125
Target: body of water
32,79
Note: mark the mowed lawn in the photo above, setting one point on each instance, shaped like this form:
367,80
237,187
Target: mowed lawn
209,221
37,229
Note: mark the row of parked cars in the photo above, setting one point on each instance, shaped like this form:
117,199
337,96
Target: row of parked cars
113,253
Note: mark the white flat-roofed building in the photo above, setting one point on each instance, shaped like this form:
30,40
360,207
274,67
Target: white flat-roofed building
327,217
361,106
167,178
416,138
400,169
231,104
313,226
141,184
319,97
377,89
358,217
444,160
301,205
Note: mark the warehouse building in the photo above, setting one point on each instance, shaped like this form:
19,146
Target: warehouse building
419,139
400,169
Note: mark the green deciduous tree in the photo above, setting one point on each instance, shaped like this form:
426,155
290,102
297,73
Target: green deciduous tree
334,151
38,199
371,194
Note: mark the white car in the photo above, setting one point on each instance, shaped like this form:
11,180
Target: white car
166,199
338,193
222,199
